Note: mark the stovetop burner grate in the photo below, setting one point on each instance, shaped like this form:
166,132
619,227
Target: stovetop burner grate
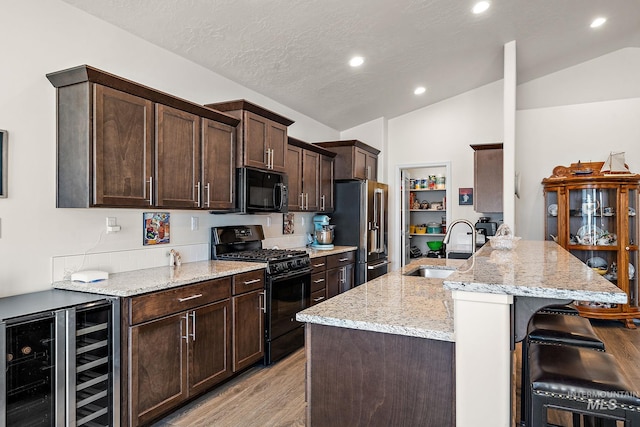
263,254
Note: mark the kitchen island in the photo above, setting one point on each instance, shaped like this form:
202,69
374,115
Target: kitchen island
407,350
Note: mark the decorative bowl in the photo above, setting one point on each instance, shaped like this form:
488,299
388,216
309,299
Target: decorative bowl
503,242
435,245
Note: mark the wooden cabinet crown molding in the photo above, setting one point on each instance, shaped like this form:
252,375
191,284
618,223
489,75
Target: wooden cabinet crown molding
243,104
496,146
86,73
348,143
311,147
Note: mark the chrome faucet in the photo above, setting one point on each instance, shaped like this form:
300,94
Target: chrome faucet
447,235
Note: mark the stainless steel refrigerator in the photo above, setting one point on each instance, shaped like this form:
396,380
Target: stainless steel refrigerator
361,220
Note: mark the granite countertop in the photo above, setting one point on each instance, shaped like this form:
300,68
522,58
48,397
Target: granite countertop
541,269
393,303
137,282
421,307
156,279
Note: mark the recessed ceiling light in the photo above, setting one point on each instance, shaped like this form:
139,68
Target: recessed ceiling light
598,22
480,7
356,61
420,90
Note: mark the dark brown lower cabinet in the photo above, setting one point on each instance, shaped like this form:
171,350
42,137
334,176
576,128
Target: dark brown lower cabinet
339,280
178,345
363,378
340,273
248,333
158,379
178,357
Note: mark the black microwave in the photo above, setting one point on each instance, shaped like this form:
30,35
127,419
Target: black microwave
261,191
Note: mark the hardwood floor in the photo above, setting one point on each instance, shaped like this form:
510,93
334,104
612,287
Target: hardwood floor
274,396
260,397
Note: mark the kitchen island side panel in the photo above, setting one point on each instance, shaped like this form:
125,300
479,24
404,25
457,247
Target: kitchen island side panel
364,378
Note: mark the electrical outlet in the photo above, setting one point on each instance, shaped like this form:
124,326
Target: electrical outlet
195,223
112,225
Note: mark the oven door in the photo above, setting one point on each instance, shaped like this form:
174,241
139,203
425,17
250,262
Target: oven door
286,296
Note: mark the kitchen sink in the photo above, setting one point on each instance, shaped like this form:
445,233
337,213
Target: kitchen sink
431,272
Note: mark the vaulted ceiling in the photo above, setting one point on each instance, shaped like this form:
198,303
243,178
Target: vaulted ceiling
296,51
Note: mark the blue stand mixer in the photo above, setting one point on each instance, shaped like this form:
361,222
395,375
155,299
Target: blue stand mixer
323,233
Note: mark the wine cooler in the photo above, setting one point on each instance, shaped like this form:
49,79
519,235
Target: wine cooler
61,367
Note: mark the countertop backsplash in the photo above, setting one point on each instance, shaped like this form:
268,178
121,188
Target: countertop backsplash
127,260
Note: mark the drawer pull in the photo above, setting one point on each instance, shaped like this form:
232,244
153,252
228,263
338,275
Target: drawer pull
318,265
318,281
343,259
251,282
318,299
189,298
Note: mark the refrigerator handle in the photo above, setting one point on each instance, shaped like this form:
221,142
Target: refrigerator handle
382,223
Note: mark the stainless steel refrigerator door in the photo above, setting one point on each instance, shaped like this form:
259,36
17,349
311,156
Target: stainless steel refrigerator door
377,223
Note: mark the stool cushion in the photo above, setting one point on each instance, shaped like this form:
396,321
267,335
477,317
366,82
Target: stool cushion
578,374
566,330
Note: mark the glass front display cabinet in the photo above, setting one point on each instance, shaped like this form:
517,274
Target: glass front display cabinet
593,215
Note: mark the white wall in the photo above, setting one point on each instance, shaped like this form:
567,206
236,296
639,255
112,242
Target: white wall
47,36
579,113
548,137
440,133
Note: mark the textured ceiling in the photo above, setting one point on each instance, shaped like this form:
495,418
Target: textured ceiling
296,51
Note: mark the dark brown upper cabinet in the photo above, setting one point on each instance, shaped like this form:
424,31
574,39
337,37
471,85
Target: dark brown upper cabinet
488,182
262,138
354,159
218,166
310,172
122,144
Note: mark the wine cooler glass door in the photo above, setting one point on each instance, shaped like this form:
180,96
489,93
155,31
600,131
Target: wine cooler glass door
30,372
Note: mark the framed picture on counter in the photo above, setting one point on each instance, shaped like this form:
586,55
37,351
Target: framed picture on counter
465,196
156,228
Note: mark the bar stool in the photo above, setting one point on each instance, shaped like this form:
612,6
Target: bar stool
581,381
567,309
552,328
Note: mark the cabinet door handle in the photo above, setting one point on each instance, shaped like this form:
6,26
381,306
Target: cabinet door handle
343,259
343,274
318,299
193,325
251,282
306,196
322,202
186,328
368,172
189,298
263,300
272,157
318,281
198,193
318,265
150,191
268,153
208,187
301,197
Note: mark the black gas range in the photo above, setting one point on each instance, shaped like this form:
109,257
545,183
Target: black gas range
287,284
